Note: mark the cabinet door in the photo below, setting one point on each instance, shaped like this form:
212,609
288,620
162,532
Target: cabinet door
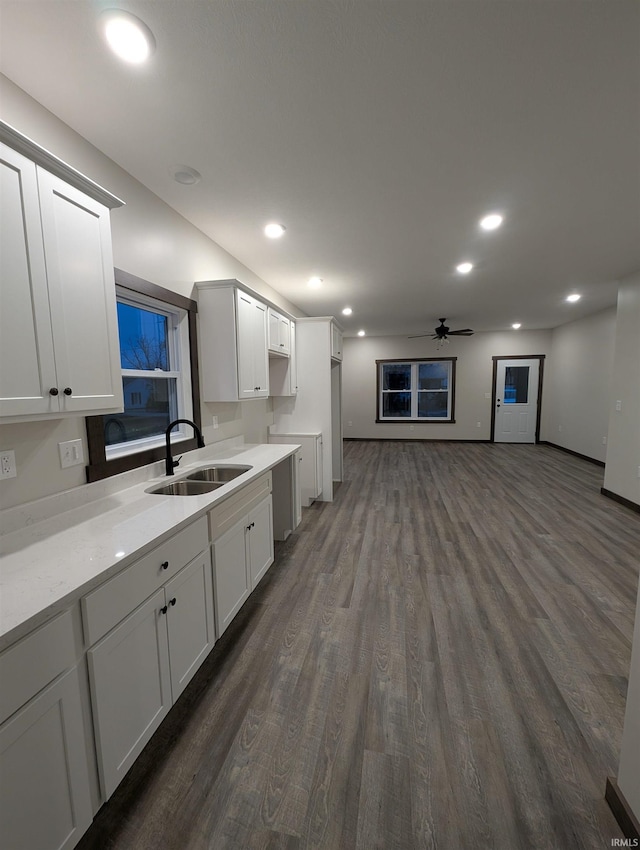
336,343
279,334
27,365
246,367
44,779
260,540
130,687
189,597
77,246
293,360
260,352
231,580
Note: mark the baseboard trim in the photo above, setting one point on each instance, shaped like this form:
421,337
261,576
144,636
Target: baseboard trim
571,452
621,809
407,440
621,499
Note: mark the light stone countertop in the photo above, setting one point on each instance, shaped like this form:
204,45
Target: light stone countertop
51,561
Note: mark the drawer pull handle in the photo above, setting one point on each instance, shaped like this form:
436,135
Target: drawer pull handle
54,391
173,601
164,609
165,565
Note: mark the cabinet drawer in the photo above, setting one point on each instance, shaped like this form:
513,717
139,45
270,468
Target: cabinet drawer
33,662
232,509
106,606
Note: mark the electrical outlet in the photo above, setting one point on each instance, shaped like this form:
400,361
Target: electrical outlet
215,422
487,395
478,424
71,453
8,464
604,441
559,427
350,424
618,405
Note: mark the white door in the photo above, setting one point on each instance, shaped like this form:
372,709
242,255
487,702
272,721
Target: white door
231,580
516,405
44,778
131,688
27,365
260,538
189,600
82,296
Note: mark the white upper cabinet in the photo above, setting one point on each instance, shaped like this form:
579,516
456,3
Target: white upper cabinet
279,333
336,342
59,349
283,371
233,343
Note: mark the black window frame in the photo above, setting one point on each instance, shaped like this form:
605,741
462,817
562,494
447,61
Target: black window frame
413,420
99,467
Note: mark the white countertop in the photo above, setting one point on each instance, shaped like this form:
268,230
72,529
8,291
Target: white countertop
50,563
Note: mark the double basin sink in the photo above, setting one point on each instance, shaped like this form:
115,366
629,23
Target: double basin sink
201,481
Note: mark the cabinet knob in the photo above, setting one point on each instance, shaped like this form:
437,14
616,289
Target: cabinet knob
53,391
164,609
165,565
173,601
67,391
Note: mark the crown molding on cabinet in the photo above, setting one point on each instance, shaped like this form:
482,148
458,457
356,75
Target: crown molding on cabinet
26,146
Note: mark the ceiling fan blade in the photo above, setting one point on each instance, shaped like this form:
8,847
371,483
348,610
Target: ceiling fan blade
415,336
463,332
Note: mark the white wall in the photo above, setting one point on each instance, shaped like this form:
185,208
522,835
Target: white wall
150,240
622,474
621,477
474,374
578,372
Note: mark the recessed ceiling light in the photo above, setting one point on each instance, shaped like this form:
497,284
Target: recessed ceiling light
315,282
360,333
274,231
516,326
185,174
491,221
128,37
464,268
347,311
573,298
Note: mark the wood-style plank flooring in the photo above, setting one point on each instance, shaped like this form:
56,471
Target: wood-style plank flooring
437,659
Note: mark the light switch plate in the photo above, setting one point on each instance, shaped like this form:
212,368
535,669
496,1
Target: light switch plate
71,453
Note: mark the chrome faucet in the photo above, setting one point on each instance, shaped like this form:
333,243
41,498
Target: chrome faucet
170,462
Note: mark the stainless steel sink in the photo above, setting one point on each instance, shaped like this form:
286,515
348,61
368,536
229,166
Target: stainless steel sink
218,474
186,488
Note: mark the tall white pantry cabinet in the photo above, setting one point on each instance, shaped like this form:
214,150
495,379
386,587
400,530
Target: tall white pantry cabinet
317,406
59,350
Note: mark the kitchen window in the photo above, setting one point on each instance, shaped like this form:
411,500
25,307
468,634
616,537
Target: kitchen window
159,379
416,390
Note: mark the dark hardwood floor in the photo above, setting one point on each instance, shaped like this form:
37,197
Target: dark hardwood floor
437,659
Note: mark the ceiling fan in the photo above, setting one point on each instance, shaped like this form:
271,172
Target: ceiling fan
442,333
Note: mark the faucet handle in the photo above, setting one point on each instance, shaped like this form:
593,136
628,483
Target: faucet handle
176,462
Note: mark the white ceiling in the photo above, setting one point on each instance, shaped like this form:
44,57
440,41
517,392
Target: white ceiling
378,133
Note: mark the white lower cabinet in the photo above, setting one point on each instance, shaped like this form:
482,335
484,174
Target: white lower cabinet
45,801
141,666
242,552
310,462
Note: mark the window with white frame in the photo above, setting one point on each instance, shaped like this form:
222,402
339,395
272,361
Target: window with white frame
416,390
157,333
